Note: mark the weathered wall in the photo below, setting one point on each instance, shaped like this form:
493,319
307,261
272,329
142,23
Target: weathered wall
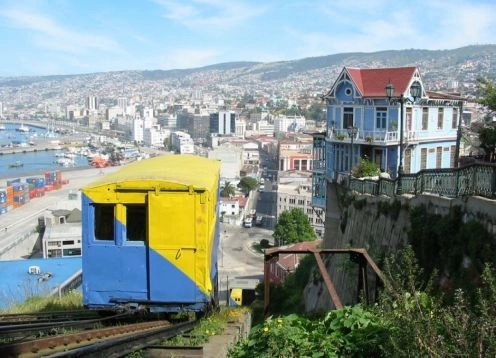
380,225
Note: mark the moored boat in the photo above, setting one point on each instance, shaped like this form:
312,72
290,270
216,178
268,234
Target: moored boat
16,164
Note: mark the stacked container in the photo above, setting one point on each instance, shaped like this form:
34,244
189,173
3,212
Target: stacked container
19,194
53,180
36,187
6,199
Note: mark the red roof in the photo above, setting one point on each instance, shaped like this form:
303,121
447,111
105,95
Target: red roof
371,82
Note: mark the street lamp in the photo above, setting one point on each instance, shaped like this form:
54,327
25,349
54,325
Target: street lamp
352,131
415,91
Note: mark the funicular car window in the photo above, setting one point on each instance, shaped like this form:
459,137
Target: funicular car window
104,222
136,222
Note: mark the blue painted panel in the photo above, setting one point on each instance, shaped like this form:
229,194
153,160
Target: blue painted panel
169,284
341,92
369,119
111,271
357,119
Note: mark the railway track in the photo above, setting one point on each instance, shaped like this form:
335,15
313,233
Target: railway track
114,341
23,327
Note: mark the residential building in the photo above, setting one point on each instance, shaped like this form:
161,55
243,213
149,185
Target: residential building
288,123
62,236
182,143
426,125
295,153
155,136
294,190
138,128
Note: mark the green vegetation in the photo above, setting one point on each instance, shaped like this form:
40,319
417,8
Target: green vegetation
410,319
293,226
227,190
247,184
207,327
486,95
70,301
365,168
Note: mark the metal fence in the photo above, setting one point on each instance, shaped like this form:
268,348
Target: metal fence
470,180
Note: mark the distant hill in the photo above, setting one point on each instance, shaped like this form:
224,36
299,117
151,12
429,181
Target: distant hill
457,64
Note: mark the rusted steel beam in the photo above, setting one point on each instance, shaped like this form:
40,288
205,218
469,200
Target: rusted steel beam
372,264
359,256
328,282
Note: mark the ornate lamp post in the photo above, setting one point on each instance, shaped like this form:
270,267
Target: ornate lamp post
352,132
415,91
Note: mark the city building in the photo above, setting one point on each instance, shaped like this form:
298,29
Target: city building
283,124
294,190
62,236
223,122
182,143
388,117
92,103
231,158
295,153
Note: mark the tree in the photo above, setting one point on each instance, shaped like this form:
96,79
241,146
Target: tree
293,226
247,184
486,95
487,138
227,190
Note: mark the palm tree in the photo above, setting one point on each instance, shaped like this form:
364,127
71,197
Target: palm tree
227,190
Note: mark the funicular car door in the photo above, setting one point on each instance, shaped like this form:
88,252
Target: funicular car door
172,246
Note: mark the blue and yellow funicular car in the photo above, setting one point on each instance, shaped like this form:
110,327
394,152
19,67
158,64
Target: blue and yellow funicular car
151,234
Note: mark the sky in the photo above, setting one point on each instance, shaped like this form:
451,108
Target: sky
57,37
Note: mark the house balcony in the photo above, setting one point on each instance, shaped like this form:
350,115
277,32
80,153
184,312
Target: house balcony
380,137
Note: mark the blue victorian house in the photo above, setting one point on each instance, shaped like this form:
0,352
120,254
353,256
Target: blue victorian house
386,116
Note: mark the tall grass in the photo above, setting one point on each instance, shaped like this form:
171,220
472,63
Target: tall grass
73,300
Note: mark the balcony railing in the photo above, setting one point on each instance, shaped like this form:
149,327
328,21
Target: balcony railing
471,180
383,136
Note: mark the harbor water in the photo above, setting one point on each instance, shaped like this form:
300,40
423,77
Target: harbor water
31,163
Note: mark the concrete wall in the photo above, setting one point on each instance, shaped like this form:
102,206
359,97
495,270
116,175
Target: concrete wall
379,234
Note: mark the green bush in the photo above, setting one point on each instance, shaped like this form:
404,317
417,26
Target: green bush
366,168
409,320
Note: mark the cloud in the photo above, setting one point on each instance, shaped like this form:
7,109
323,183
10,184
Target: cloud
49,35
205,15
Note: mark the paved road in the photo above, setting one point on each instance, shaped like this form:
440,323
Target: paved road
237,258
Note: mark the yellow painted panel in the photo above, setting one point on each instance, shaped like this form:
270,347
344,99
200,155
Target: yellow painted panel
177,231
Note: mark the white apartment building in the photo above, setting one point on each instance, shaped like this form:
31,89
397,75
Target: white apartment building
182,143
288,123
294,190
138,129
155,136
113,112
240,130
264,128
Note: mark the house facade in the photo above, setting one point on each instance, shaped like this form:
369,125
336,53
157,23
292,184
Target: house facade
414,133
